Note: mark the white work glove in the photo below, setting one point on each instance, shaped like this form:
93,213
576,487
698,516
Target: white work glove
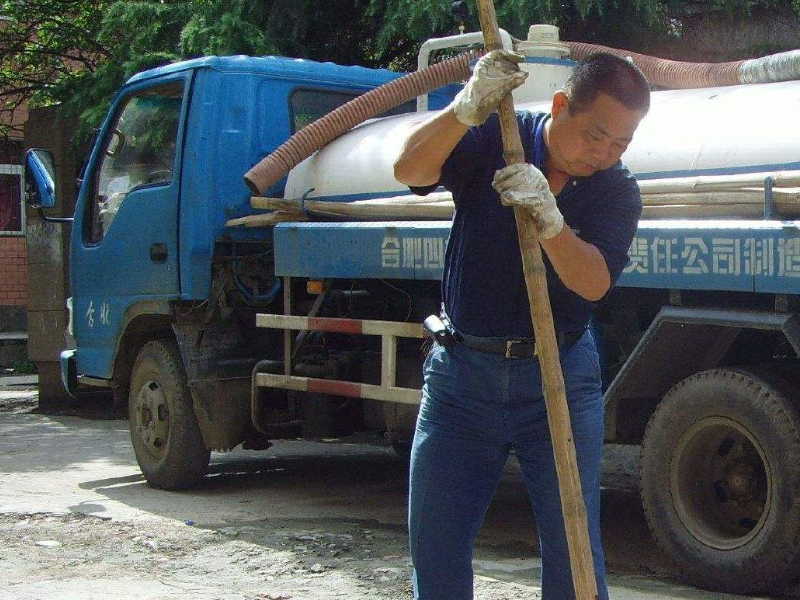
493,77
526,186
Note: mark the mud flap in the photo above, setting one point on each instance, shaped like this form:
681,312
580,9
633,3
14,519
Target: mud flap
222,408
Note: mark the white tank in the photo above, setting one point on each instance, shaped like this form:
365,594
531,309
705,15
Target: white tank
745,128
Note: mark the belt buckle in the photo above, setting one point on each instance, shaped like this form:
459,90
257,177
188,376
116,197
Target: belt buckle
509,345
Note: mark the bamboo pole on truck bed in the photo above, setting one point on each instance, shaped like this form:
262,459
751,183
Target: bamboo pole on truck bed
404,207
734,196
722,204
569,483
718,183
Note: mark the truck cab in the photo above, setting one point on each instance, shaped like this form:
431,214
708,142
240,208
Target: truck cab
156,275
165,176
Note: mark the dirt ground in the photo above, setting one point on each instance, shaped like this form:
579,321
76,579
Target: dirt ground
166,560
315,529
87,557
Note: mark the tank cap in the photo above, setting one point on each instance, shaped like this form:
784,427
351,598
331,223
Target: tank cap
543,41
543,33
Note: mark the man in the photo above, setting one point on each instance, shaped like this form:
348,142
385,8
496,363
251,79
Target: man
482,394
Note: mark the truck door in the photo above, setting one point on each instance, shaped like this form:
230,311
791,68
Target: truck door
124,240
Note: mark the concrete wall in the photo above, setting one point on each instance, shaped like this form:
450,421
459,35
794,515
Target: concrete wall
721,37
48,251
704,35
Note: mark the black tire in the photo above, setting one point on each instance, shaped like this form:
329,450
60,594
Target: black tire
721,480
166,438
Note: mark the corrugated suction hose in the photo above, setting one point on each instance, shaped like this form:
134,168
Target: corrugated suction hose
671,74
659,71
314,136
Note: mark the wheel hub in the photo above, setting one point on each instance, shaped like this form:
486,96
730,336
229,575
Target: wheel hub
742,482
152,418
721,483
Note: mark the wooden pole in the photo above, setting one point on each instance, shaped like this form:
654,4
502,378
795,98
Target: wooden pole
718,183
569,482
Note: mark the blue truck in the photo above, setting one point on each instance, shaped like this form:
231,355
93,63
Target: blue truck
214,336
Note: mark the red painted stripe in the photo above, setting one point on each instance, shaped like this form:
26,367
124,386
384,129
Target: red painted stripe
337,325
334,387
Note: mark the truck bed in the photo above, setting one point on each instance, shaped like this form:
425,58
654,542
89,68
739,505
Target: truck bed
734,255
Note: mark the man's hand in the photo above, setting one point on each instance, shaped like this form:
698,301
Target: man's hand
526,186
495,75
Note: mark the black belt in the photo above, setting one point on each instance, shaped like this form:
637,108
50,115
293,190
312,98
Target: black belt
518,348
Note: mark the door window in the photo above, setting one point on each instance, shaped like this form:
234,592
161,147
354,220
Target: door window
308,105
139,151
11,215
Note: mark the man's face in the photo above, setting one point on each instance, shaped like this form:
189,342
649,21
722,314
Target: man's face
582,143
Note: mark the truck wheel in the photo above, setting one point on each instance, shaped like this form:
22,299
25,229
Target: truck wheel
166,438
721,480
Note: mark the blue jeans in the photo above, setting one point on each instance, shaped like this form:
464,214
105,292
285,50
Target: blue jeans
475,408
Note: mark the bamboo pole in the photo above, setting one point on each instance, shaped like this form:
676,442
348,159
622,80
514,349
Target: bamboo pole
712,183
410,202
378,208
267,219
444,212
723,198
263,202
572,505
734,204
719,196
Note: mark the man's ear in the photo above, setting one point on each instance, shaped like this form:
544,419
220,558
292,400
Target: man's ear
560,103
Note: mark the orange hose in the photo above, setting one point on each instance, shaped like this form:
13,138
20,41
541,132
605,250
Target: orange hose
666,73
316,135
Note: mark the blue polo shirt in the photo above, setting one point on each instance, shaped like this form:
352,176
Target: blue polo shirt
483,287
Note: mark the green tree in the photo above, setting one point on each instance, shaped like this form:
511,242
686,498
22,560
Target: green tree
44,43
78,52
638,25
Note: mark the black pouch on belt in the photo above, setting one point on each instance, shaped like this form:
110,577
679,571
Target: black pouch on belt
435,328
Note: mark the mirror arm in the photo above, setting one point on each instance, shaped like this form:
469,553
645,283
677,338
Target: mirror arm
54,219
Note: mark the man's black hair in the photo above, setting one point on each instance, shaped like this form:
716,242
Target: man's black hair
605,73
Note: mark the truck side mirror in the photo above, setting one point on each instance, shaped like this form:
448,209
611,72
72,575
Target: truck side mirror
40,179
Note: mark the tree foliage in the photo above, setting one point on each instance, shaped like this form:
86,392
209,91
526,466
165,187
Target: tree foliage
44,43
78,53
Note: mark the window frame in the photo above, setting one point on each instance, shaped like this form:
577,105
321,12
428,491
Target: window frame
90,217
306,88
409,104
18,170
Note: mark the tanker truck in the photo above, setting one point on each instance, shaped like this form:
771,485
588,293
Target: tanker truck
224,311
